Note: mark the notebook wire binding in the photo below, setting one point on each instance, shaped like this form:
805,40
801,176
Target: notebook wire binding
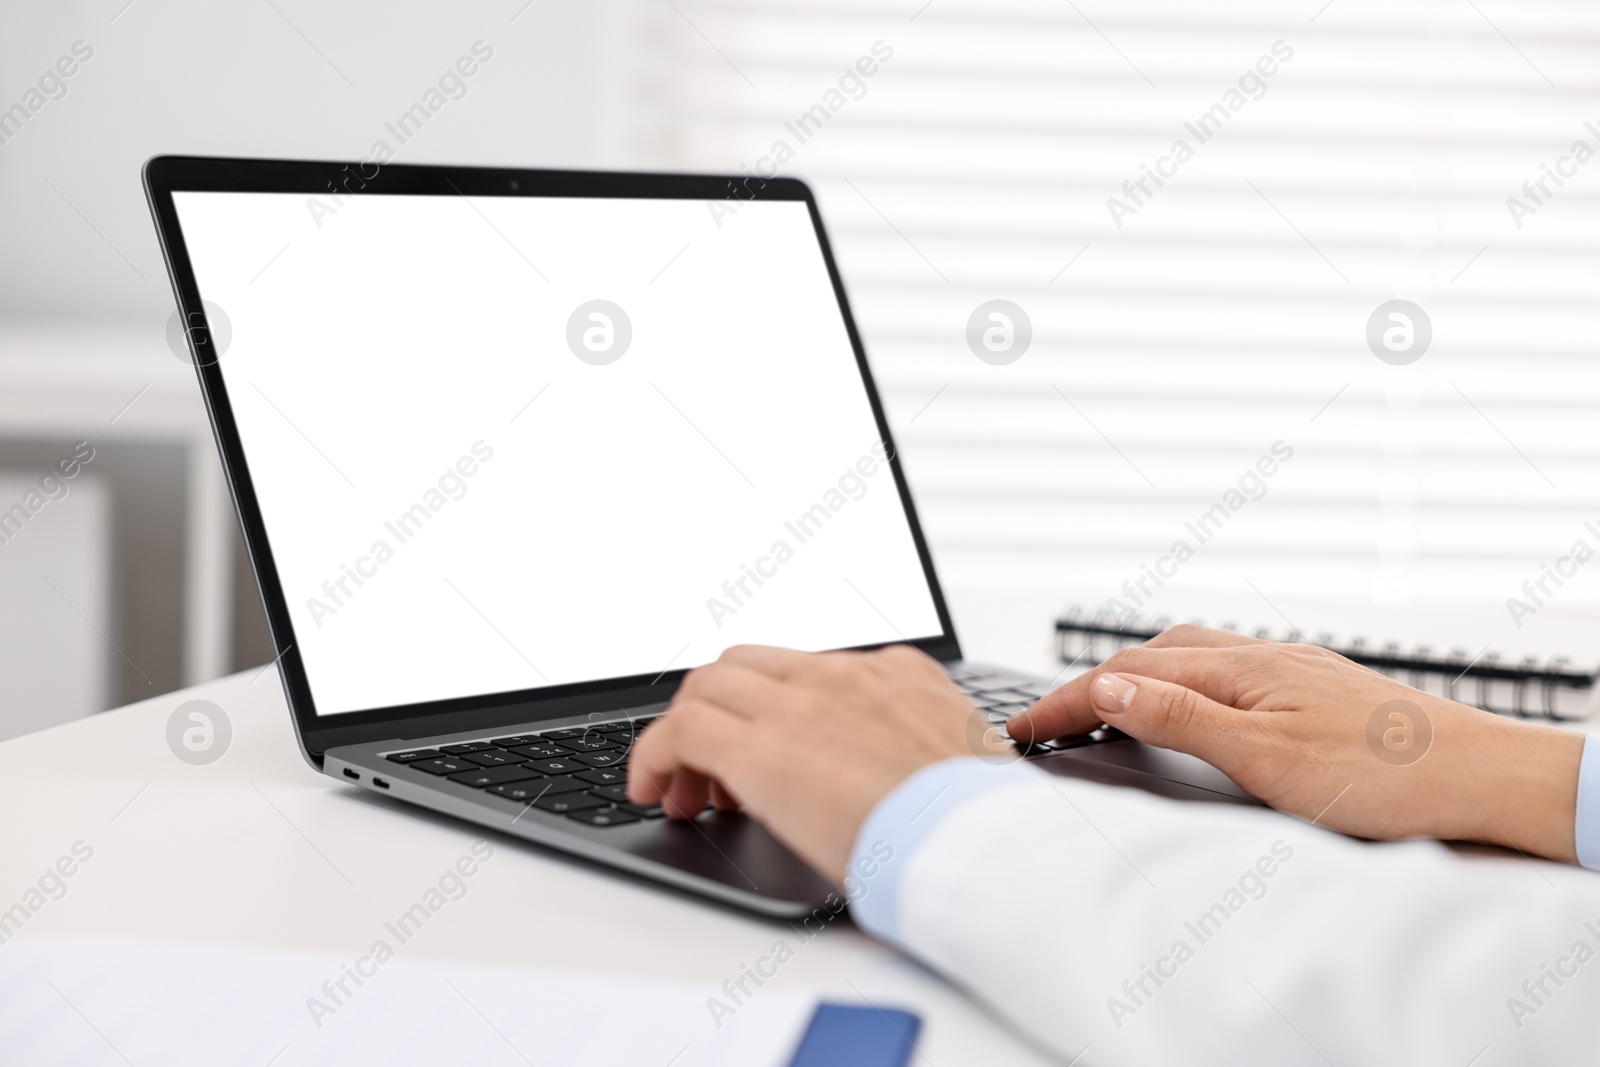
1554,689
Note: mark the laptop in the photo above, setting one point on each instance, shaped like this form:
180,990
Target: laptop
513,450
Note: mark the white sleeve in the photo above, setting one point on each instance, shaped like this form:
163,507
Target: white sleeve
1586,824
1124,928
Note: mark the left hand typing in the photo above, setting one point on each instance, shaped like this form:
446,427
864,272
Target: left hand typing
807,743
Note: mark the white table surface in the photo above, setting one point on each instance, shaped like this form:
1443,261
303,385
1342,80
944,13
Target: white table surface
259,849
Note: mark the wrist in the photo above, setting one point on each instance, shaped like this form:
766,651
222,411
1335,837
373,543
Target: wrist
1513,784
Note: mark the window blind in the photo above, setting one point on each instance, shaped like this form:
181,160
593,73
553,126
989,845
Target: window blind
1202,210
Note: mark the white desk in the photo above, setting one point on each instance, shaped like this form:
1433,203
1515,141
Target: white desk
259,849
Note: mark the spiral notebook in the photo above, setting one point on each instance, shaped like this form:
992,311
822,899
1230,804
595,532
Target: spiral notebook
1556,688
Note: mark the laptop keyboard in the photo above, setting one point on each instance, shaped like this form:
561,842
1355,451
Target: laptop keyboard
582,771
577,771
999,695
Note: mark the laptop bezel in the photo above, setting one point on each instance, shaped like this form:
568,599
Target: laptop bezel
165,175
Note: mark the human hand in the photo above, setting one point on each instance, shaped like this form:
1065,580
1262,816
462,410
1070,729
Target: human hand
807,743
1316,735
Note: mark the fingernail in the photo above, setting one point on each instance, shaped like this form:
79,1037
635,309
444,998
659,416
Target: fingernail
1112,693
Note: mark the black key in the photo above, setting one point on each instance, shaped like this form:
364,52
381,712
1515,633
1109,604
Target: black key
652,812
479,777
542,750
562,735
615,793
606,758
586,743
443,765
627,729
513,742
557,766
414,755
494,757
604,775
527,792
565,784
463,749
537,788
567,802
604,816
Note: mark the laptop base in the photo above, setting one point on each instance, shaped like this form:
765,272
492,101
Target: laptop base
722,855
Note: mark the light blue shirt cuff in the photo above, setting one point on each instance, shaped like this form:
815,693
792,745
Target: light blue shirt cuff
899,824
1586,826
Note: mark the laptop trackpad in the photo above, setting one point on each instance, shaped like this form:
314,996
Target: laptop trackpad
1177,767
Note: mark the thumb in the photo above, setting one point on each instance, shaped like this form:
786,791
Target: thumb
1167,715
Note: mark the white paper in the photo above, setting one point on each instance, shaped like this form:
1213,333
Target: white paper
95,1001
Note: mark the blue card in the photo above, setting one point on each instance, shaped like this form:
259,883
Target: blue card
849,1035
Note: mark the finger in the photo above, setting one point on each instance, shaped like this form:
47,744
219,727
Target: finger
906,658
1187,635
827,668
1171,716
1068,710
739,689
685,795
780,663
723,798
694,738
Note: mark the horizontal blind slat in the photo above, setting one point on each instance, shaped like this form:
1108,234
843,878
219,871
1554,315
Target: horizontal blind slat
1229,310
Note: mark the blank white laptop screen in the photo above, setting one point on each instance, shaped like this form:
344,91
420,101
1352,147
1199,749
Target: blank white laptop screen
506,443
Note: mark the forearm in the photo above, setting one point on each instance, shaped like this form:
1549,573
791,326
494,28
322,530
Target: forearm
1090,916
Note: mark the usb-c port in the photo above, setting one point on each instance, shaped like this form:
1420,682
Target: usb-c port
348,773
380,783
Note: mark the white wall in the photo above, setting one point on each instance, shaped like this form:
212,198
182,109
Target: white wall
196,77
52,662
